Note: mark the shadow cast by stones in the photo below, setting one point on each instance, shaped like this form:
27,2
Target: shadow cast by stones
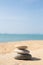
35,59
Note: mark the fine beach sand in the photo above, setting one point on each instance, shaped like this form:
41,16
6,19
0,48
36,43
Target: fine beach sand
7,53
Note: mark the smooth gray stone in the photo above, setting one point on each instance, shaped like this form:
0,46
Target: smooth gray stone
21,47
22,51
23,57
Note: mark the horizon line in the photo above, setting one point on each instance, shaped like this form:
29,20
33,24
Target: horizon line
22,33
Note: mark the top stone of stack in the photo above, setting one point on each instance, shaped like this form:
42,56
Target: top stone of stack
21,47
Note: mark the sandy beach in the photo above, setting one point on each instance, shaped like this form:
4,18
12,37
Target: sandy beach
7,53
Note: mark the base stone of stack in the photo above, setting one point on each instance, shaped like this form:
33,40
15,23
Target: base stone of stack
23,56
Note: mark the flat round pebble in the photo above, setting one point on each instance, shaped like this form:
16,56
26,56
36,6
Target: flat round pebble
21,51
21,47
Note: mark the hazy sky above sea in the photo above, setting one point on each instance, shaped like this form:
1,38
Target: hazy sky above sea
21,16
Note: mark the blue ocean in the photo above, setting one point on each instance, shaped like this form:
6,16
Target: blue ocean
20,37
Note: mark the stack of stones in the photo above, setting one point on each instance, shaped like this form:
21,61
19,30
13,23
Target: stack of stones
22,53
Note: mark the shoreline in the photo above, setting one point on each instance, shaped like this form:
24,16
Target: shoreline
19,41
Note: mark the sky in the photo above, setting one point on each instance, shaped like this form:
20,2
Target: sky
21,16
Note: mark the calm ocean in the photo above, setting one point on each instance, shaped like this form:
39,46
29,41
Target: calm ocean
19,37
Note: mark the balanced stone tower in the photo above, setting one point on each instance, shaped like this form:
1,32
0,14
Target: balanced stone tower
22,53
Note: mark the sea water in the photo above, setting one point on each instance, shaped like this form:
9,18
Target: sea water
20,37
